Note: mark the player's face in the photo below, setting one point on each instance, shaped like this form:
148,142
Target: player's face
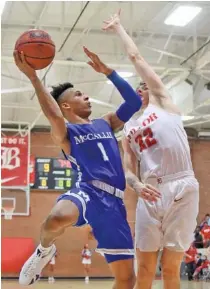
78,103
143,92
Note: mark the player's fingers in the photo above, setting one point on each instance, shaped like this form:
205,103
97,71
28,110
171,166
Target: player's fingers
119,12
146,196
153,189
91,63
106,21
143,195
153,193
22,57
87,52
90,54
15,57
18,60
151,198
105,27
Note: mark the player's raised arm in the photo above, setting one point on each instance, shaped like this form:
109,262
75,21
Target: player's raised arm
132,100
144,191
146,72
48,105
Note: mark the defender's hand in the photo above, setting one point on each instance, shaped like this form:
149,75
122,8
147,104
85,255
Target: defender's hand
23,65
113,22
96,63
149,193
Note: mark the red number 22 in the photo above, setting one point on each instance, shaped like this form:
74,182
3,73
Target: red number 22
145,140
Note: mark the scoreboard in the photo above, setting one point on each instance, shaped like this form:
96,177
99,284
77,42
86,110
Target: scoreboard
53,174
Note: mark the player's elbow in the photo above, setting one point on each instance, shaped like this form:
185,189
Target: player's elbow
138,105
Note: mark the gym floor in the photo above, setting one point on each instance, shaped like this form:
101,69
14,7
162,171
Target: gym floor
72,284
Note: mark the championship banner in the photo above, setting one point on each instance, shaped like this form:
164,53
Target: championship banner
14,161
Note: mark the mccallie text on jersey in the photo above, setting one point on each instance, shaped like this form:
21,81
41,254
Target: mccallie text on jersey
92,136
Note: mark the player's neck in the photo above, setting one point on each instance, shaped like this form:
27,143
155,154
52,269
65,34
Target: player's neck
77,119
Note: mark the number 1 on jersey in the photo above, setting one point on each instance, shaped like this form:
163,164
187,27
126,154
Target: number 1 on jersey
103,152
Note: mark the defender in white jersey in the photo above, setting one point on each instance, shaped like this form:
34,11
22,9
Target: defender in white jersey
168,191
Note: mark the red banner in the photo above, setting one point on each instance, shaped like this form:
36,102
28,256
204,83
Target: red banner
14,161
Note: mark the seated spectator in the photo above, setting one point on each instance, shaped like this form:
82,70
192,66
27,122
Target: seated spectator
206,235
205,264
198,238
205,220
190,255
198,260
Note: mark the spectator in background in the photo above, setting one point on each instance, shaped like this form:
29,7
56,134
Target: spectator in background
206,235
205,220
190,255
198,260
205,264
198,238
86,261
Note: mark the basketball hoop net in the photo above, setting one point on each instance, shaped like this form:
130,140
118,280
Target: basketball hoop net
8,212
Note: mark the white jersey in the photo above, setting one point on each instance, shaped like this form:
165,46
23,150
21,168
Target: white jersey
159,142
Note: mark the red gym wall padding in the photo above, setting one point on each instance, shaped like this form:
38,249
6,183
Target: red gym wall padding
14,252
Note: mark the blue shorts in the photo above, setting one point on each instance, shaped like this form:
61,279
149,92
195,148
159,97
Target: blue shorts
106,214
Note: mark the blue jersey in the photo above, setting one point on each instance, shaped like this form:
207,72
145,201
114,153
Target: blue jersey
95,153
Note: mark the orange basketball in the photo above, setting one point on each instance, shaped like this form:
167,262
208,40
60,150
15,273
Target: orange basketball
38,48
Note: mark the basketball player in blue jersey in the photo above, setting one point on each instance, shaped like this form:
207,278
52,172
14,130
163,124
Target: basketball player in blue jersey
97,197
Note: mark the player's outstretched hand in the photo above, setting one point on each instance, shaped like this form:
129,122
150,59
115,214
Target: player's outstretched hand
96,63
113,22
23,65
149,193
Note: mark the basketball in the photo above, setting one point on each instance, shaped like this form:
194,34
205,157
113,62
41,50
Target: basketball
38,48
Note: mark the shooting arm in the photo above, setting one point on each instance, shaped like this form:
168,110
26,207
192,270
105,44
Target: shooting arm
48,105
53,113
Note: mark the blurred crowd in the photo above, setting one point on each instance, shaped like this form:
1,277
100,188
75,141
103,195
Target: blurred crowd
197,257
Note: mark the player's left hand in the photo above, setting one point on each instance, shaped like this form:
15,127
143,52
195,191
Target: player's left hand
21,63
149,193
96,63
113,23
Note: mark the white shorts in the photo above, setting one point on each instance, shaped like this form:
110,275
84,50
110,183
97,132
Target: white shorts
86,261
171,221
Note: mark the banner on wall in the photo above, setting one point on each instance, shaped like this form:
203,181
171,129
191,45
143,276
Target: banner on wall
14,161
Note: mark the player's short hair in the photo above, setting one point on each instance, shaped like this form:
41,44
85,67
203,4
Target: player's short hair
59,89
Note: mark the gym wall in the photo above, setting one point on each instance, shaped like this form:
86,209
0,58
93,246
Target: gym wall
69,246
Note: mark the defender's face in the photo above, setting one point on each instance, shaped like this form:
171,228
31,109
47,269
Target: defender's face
143,92
76,102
